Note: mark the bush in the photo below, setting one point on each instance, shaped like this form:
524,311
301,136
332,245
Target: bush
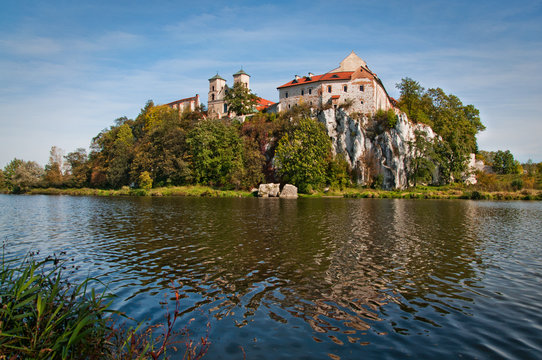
43,316
145,181
517,184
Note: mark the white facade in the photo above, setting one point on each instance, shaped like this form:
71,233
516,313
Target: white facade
351,82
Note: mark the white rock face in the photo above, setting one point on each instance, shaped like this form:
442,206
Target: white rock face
387,153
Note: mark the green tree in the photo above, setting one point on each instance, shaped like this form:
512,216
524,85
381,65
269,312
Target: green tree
215,149
411,95
3,183
503,162
240,99
422,153
9,171
77,168
302,156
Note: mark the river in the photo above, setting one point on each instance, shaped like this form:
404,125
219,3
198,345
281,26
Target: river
308,278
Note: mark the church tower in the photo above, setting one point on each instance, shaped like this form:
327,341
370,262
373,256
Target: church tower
242,77
215,103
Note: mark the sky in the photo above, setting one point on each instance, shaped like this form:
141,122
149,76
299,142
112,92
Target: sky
69,69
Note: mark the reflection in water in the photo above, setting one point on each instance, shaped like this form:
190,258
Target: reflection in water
311,278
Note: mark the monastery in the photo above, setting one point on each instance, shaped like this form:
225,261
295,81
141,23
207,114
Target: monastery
351,83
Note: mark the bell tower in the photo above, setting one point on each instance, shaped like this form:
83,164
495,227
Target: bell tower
242,77
215,101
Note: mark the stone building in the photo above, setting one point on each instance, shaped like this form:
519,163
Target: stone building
351,82
190,103
216,105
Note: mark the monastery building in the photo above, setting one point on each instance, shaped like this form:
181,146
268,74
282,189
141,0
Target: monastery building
352,82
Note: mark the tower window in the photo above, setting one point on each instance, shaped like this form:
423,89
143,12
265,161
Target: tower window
212,97
361,88
329,88
213,88
345,88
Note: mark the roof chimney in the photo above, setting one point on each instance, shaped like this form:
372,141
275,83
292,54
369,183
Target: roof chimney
297,77
311,74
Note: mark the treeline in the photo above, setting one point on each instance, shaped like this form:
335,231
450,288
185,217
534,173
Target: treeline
163,147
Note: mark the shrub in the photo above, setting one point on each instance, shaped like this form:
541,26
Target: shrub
517,184
145,181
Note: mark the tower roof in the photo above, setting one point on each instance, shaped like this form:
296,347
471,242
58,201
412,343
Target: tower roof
241,72
216,77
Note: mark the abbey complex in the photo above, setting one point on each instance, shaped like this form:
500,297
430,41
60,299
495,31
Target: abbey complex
351,83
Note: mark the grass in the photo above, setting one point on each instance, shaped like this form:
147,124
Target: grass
191,190
43,316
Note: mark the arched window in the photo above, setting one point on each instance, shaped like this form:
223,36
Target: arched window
212,97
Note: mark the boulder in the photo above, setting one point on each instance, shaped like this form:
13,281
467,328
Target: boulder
288,192
269,190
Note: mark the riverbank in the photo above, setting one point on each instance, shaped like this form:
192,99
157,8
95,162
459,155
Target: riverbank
419,192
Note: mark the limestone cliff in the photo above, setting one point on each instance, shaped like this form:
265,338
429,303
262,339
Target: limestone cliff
371,151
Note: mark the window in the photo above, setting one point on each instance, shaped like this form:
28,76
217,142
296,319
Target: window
225,108
345,88
310,91
286,94
212,97
361,102
361,88
311,103
302,92
213,88
329,88
288,106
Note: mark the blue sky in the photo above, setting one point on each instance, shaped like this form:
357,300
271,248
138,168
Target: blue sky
69,69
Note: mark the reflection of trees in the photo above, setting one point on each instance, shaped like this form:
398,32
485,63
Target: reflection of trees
330,262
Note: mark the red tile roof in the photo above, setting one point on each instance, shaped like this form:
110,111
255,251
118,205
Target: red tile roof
263,104
335,96
344,75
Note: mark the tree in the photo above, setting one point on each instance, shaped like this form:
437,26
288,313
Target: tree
28,174
9,172
77,168
3,183
145,181
215,149
53,170
422,152
302,157
240,99
503,162
411,94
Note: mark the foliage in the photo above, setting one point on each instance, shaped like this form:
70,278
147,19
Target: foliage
53,170
28,174
338,173
214,149
387,119
302,156
43,316
3,183
457,124
145,181
240,99
422,161
504,163
9,172
77,168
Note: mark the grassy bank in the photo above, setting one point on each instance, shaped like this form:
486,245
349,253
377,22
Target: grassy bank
195,190
454,191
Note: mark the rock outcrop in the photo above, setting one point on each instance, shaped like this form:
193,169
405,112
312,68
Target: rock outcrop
372,152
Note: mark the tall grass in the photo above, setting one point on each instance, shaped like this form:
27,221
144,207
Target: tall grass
43,316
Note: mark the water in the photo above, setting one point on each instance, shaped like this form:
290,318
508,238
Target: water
312,278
